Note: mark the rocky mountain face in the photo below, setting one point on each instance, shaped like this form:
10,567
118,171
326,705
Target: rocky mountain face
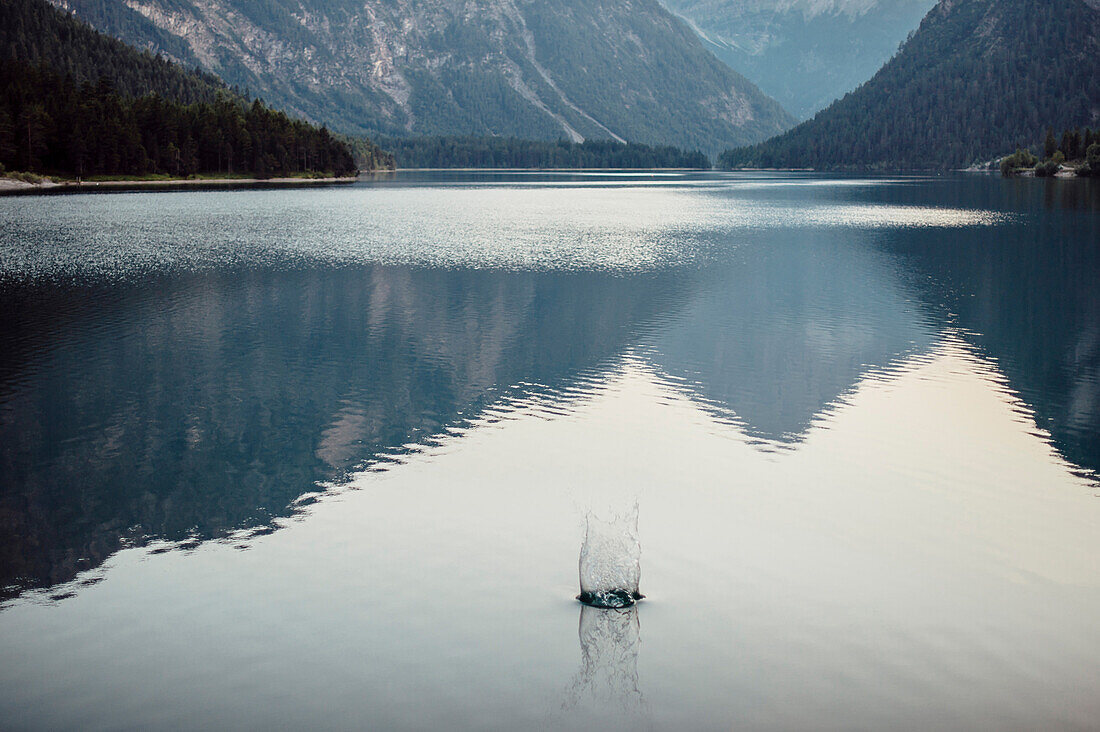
545,69
978,79
804,53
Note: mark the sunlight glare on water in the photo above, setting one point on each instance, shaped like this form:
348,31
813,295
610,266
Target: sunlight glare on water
558,227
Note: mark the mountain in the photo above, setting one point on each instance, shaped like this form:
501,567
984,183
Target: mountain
34,33
428,364
977,79
77,103
542,69
804,53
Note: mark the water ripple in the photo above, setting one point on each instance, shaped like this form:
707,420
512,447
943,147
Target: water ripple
567,228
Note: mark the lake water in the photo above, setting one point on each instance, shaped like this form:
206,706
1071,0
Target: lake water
323,458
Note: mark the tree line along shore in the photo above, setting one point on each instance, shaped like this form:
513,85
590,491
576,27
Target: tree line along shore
1075,154
453,151
76,104
50,123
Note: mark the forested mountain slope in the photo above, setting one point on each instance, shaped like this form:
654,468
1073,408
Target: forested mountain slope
74,102
543,69
33,32
804,53
978,78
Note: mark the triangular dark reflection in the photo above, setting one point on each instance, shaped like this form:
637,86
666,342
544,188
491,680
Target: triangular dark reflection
1027,296
604,693
186,408
778,333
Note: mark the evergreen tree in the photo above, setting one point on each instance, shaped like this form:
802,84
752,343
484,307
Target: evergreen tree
1066,145
1049,144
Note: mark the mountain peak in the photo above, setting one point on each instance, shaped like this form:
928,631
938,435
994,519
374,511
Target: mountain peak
804,53
977,79
578,69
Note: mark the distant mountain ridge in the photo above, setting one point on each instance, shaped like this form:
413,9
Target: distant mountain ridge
804,53
542,69
977,79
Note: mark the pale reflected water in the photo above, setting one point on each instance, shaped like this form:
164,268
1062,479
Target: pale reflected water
321,458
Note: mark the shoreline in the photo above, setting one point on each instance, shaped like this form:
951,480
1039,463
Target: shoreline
547,170
10,186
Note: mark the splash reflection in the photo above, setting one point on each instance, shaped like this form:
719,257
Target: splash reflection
605,689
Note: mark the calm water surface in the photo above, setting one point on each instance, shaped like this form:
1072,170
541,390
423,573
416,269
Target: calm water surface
321,458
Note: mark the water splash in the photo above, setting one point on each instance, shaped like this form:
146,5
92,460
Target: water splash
610,561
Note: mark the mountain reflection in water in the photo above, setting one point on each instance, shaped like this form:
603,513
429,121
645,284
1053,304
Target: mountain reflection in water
185,407
776,338
1028,299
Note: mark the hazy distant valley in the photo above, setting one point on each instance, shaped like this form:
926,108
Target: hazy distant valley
804,53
